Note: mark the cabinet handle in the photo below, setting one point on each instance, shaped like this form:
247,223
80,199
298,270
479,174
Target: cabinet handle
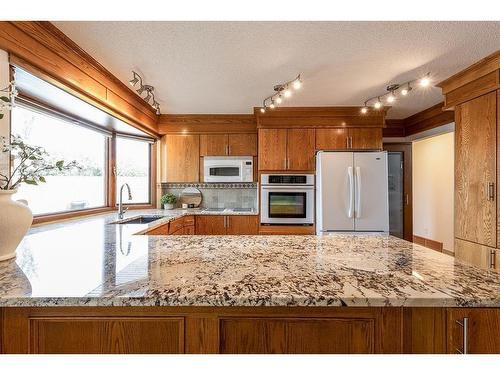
229,149
347,142
491,191
492,259
228,221
465,335
407,199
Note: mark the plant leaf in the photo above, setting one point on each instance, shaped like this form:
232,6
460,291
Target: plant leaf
31,182
1,116
5,99
42,179
60,164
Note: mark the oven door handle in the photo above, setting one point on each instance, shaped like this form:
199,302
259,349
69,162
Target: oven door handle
351,192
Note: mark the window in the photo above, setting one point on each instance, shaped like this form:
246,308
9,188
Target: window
63,140
133,168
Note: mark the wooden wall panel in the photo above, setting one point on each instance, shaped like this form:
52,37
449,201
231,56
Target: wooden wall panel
43,46
475,170
207,123
483,85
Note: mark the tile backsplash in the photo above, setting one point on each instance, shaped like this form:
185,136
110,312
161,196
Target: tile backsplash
219,195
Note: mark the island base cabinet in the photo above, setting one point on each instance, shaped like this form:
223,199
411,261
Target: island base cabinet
473,331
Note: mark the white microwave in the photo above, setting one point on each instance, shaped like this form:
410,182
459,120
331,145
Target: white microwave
227,169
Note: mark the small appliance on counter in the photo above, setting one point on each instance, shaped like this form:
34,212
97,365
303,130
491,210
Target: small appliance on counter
287,199
228,169
352,192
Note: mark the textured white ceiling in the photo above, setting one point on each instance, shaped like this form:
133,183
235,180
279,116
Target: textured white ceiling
229,67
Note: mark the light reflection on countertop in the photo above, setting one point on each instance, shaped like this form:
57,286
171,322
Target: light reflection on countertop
89,261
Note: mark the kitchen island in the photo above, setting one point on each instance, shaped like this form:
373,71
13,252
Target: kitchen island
90,285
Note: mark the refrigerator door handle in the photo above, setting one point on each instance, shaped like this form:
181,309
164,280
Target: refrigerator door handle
358,192
351,192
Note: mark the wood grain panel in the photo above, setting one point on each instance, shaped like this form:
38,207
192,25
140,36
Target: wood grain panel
366,139
326,336
202,334
427,119
483,85
162,230
300,149
483,323
473,253
213,145
331,139
245,224
106,335
210,224
477,70
242,144
182,159
475,169
287,229
272,149
427,242
206,123
175,225
424,330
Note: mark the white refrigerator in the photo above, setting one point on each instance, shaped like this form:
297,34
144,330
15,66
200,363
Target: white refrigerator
352,192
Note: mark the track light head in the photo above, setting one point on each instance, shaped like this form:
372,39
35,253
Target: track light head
279,100
364,110
263,110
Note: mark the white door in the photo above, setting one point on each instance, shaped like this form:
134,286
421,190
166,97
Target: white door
371,198
335,197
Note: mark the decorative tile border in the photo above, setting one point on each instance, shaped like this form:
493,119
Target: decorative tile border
211,185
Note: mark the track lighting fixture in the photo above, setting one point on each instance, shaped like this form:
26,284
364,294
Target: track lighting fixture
393,91
150,95
283,90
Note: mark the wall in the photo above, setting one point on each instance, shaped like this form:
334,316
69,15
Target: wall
5,122
433,188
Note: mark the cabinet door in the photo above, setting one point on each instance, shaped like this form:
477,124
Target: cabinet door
331,139
242,144
102,335
242,224
213,145
162,230
300,149
475,173
482,332
366,138
272,149
182,158
210,224
479,255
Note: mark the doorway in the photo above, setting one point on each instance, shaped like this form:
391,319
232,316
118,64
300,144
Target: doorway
400,190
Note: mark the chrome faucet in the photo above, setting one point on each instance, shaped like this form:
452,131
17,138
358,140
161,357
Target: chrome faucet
122,210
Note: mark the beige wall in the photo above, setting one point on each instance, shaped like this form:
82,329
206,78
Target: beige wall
4,123
433,188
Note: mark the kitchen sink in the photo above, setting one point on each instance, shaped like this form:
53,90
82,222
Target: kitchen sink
139,220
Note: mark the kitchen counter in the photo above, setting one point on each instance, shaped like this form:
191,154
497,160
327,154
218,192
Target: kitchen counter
91,262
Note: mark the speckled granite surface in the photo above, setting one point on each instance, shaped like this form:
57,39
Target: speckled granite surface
91,262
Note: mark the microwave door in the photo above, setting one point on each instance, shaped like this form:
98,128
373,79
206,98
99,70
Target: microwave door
220,173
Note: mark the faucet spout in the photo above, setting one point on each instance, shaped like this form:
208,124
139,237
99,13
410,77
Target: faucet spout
121,209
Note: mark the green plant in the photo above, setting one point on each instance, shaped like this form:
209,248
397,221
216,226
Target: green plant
31,164
168,198
3,99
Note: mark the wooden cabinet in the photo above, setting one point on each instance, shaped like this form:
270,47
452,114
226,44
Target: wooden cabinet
349,138
366,138
297,336
247,224
210,224
479,255
180,158
300,149
332,139
272,149
106,335
474,331
182,225
162,230
228,144
227,224
286,149
475,170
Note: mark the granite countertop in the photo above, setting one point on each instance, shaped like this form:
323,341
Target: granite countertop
90,262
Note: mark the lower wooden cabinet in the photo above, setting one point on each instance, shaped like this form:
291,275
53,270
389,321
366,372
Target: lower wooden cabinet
297,336
237,224
100,335
228,224
210,224
479,255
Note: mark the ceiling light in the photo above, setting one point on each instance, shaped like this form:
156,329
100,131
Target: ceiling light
279,100
140,90
133,81
391,98
404,92
148,96
282,90
425,81
364,110
149,90
297,84
287,93
377,104
271,105
263,109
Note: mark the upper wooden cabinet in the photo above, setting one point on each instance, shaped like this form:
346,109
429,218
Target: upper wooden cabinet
228,144
286,149
475,170
344,139
180,158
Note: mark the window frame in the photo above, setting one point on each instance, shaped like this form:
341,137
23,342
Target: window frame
110,179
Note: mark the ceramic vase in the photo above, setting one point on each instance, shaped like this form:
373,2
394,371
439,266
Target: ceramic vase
15,221
168,206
